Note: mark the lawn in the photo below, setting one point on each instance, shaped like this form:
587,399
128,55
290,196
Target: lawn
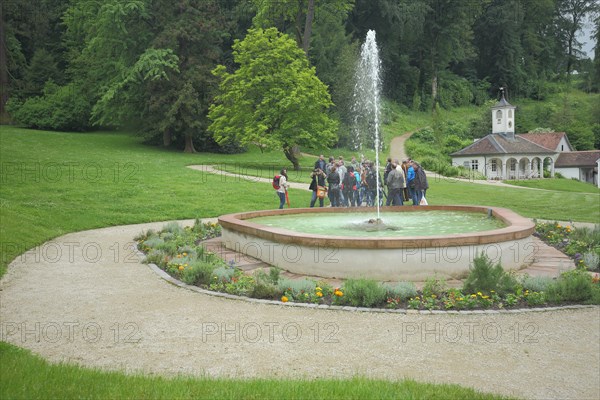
563,185
25,376
53,183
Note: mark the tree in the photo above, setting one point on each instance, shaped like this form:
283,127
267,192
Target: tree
299,13
273,100
570,17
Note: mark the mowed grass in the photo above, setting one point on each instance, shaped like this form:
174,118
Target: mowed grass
564,185
26,376
53,183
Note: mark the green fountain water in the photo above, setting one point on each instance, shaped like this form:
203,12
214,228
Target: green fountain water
430,223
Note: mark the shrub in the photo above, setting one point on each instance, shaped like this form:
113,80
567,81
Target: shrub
363,292
434,286
485,277
223,274
265,290
401,290
153,242
591,260
156,257
536,283
572,286
198,272
174,228
295,287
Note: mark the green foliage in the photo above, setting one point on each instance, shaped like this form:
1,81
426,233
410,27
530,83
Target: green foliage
59,108
273,100
572,286
536,283
223,274
198,272
434,287
486,277
296,287
363,292
401,290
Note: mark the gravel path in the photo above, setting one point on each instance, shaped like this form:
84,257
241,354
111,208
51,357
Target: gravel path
85,298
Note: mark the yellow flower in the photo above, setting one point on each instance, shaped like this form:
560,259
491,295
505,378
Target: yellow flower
181,267
473,296
318,289
185,254
433,296
319,294
284,299
338,293
460,299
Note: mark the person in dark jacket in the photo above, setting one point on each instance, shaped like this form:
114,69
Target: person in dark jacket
421,184
318,179
333,179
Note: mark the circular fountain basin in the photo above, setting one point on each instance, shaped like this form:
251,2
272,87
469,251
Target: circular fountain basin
411,249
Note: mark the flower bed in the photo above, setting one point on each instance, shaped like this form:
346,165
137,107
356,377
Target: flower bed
582,244
179,252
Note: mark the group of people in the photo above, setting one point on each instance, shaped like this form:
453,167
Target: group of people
355,184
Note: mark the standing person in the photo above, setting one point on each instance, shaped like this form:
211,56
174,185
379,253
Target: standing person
318,179
283,186
405,194
333,179
329,165
372,185
358,192
410,182
320,163
395,182
349,189
355,164
421,184
342,171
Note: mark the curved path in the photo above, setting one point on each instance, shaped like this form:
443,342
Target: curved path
86,298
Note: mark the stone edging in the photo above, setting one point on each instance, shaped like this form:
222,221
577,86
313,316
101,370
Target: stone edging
162,274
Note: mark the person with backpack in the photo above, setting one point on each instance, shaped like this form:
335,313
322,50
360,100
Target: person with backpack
371,180
281,185
358,192
349,188
333,179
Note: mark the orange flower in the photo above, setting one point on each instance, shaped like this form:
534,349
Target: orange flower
181,267
338,293
319,294
284,299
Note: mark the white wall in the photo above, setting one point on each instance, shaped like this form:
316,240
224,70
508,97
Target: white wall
569,172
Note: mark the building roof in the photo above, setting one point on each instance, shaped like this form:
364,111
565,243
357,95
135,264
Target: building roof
549,140
498,144
578,159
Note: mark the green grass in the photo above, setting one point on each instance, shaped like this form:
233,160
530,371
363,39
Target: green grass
53,183
550,205
26,376
564,185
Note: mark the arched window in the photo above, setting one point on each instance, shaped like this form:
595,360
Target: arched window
498,116
509,113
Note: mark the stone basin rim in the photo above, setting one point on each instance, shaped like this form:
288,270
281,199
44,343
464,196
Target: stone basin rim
518,227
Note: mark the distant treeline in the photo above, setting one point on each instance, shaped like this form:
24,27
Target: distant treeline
146,64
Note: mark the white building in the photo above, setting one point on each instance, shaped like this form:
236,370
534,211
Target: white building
505,155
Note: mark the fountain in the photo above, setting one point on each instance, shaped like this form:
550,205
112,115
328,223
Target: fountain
414,243
366,107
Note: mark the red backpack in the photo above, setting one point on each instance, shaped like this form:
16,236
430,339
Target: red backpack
276,182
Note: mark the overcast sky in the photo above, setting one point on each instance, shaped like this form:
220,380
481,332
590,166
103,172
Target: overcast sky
585,38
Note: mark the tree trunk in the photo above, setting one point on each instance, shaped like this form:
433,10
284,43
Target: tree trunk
3,67
167,138
189,145
290,154
434,90
310,15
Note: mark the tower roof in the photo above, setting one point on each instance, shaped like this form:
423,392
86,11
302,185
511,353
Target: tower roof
502,102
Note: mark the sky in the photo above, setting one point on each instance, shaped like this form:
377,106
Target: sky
585,38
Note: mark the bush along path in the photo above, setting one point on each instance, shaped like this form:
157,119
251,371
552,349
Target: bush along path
179,252
103,308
